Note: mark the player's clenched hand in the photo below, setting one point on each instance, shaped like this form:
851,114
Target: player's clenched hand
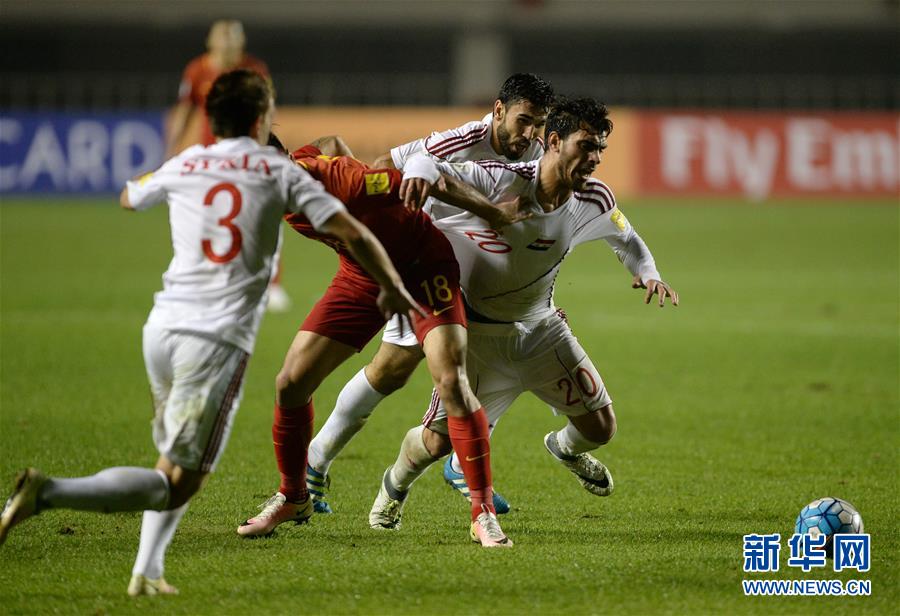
397,300
415,191
508,213
655,287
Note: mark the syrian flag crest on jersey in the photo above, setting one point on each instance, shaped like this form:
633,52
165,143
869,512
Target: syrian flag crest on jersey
540,244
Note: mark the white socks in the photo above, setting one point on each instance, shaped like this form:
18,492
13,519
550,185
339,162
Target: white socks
157,530
121,488
413,460
572,443
354,405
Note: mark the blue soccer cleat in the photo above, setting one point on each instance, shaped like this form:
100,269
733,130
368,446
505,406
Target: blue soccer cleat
458,482
318,483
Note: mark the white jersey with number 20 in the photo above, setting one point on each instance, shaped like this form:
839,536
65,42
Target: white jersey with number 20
226,202
509,275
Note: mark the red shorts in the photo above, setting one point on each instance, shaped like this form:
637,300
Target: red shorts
348,312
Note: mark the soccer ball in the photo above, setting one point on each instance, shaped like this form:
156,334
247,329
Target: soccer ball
829,516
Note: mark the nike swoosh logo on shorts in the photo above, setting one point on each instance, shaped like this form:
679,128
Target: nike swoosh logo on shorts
442,310
468,459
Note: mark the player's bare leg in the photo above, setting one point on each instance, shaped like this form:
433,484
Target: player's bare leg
445,351
310,358
388,371
158,529
570,447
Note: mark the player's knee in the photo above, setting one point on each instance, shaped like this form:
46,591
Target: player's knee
182,487
451,386
387,377
600,427
437,444
292,382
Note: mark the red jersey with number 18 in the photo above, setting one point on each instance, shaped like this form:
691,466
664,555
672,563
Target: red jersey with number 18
420,252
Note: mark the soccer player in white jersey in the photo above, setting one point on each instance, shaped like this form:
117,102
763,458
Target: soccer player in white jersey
226,203
518,340
509,133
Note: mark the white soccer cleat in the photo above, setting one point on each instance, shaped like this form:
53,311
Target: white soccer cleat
140,585
277,510
486,531
279,301
590,472
22,503
387,510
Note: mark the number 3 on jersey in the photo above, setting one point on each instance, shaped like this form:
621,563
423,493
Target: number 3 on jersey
236,239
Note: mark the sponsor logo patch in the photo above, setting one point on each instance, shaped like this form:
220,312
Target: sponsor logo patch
377,183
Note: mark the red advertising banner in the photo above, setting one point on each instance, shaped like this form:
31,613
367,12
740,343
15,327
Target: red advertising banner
760,155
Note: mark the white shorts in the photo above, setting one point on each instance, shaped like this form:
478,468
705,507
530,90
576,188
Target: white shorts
392,330
543,357
196,384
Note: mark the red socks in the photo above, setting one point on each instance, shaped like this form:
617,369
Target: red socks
292,430
471,442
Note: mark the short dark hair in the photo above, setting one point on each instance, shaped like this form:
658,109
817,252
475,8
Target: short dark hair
567,115
526,87
235,101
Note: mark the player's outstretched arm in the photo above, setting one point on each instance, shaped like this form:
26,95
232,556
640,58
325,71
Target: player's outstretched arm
177,126
385,161
464,196
655,287
333,145
368,252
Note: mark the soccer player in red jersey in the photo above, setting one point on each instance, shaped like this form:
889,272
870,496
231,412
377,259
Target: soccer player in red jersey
225,45
346,318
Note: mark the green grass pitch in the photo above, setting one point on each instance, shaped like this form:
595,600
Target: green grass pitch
774,383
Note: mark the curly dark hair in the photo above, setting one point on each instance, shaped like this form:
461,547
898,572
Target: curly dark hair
567,115
526,87
235,101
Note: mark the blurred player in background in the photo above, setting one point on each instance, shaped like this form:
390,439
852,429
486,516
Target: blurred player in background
511,132
187,123
225,44
518,340
346,318
226,203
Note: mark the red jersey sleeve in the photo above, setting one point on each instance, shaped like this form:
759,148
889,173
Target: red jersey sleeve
351,181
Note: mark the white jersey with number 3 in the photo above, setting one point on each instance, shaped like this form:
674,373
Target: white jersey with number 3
226,202
509,275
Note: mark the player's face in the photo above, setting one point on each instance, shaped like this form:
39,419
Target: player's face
579,155
226,40
517,125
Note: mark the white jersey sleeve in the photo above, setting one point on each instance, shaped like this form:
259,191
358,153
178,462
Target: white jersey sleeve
151,188
607,222
450,145
491,178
